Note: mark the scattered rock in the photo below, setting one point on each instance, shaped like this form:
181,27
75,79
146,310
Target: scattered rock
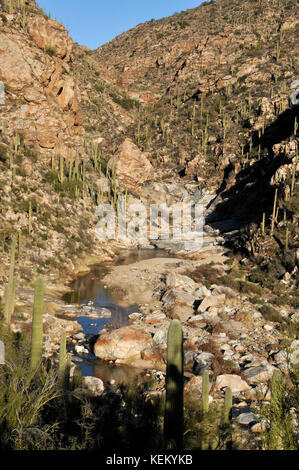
211,301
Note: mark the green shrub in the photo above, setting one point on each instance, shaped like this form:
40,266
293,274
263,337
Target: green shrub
29,153
51,51
270,313
3,153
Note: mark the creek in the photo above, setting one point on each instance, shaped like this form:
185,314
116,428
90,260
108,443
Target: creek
90,292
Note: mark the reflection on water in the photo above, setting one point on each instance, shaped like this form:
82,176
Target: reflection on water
92,326
111,372
90,288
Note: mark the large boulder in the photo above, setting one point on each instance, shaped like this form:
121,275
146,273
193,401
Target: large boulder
234,382
130,165
211,301
125,343
175,281
259,374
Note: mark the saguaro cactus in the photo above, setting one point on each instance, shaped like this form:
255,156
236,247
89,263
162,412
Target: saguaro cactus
276,413
9,297
205,438
62,354
37,325
226,427
77,378
173,413
228,403
205,392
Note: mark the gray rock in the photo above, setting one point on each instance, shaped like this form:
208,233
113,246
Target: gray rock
176,296
174,281
189,357
94,385
79,336
233,381
259,374
160,337
294,352
81,350
201,292
245,419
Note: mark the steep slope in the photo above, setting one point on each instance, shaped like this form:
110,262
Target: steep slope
215,83
214,74
203,45
49,180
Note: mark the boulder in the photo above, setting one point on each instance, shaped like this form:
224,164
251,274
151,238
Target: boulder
211,301
245,419
124,343
259,374
202,291
174,281
294,352
175,296
232,381
194,386
155,317
94,385
160,337
11,62
130,165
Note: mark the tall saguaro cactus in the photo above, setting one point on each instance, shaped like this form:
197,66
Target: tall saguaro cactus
205,392
37,325
227,428
228,404
174,413
10,290
62,354
276,413
205,408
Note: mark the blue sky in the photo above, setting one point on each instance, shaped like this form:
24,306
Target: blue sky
95,22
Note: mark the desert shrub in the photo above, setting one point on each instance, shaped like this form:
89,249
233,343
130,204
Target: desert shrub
205,274
219,366
50,50
3,153
29,153
270,313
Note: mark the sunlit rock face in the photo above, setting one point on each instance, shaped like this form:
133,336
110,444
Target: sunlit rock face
46,109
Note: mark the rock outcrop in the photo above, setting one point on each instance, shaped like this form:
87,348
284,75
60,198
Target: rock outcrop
42,103
130,165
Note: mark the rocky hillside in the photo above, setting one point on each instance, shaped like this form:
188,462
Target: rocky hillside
212,76
49,185
214,86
